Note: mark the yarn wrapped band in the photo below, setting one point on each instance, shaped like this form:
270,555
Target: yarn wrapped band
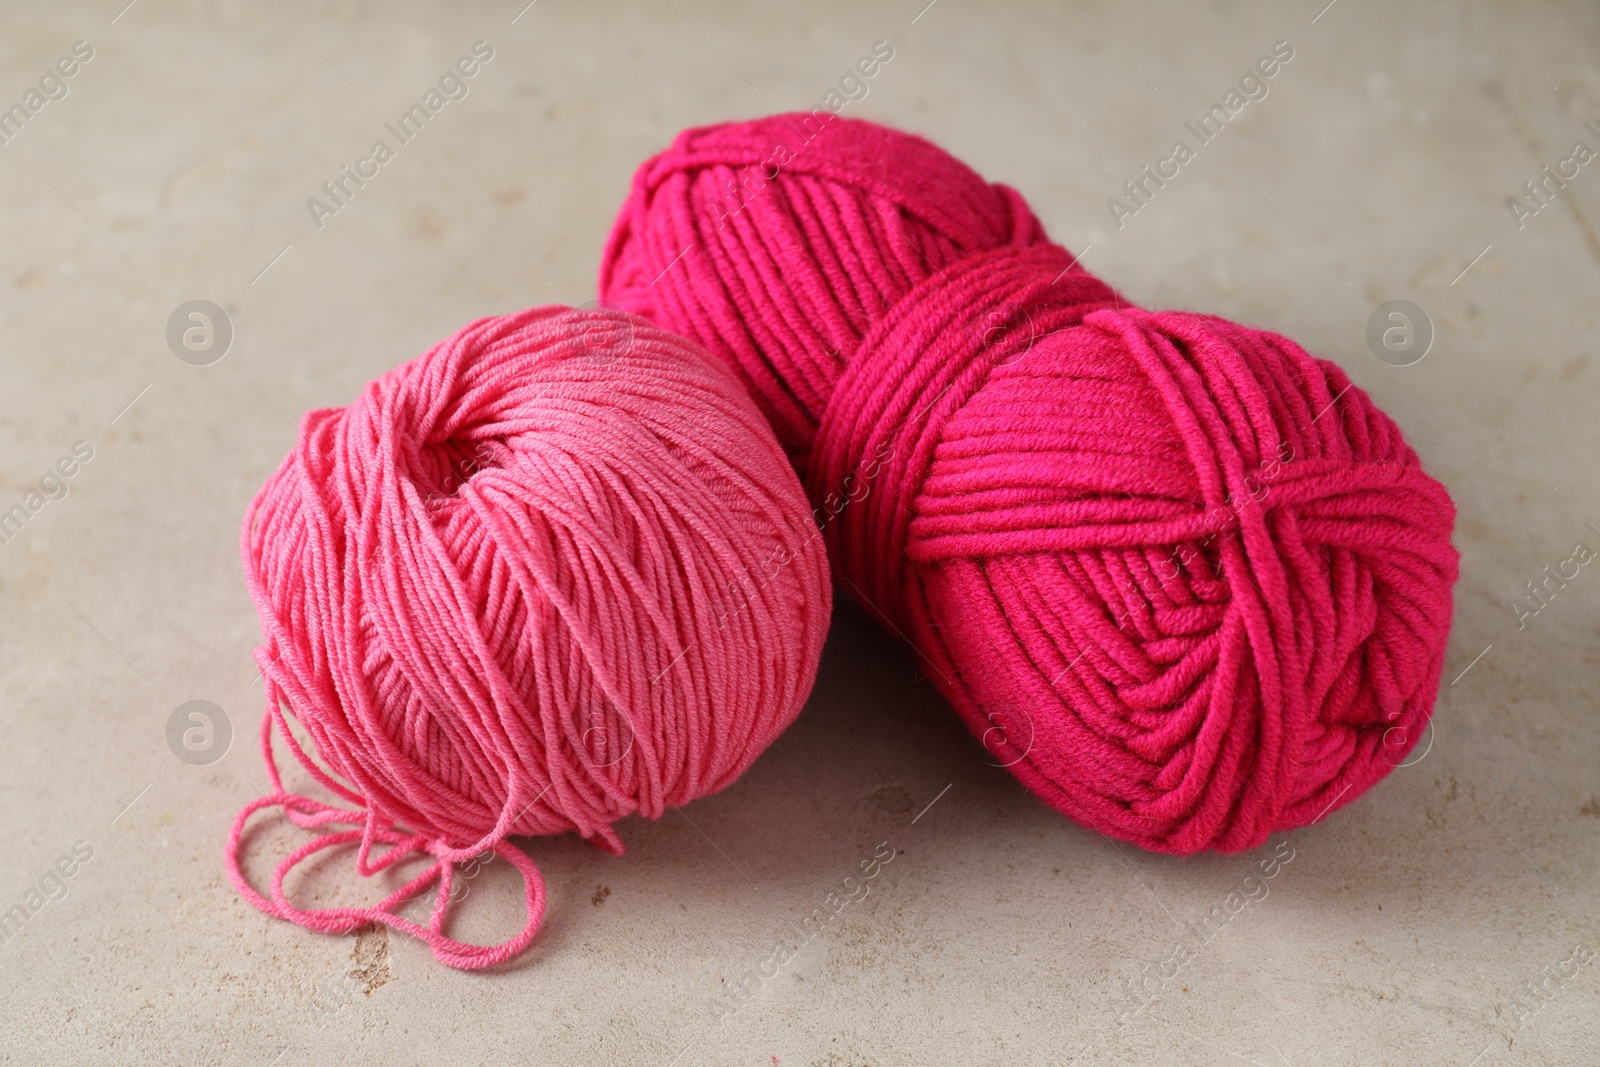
1185,580
552,572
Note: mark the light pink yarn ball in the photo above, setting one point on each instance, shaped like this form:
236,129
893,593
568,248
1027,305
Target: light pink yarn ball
555,571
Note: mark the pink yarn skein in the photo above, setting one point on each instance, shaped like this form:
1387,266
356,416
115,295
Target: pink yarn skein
1183,578
552,572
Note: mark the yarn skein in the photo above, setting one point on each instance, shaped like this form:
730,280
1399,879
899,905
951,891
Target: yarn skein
552,572
1185,580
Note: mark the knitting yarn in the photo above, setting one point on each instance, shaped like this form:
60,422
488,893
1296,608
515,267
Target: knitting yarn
550,573
1185,580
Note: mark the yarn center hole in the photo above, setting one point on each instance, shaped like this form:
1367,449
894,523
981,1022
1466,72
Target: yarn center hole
447,467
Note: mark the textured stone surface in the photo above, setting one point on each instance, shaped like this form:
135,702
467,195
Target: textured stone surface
1377,167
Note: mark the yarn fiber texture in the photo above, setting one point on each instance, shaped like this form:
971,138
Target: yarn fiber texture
1185,580
553,572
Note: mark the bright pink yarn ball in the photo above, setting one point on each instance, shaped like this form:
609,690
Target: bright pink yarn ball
1184,579
553,572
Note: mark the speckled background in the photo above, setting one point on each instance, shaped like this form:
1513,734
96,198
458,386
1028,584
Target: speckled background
1446,918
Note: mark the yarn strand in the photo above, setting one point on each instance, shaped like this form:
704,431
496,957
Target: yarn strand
1180,577
553,572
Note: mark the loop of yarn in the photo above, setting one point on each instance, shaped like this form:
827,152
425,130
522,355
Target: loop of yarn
552,572
1185,580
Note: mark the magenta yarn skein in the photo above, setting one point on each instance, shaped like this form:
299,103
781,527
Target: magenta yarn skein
552,572
1183,578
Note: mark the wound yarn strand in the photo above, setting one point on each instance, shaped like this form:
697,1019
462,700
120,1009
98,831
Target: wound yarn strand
1184,579
552,572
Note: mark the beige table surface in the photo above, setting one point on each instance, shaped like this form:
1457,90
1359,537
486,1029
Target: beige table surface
1406,929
